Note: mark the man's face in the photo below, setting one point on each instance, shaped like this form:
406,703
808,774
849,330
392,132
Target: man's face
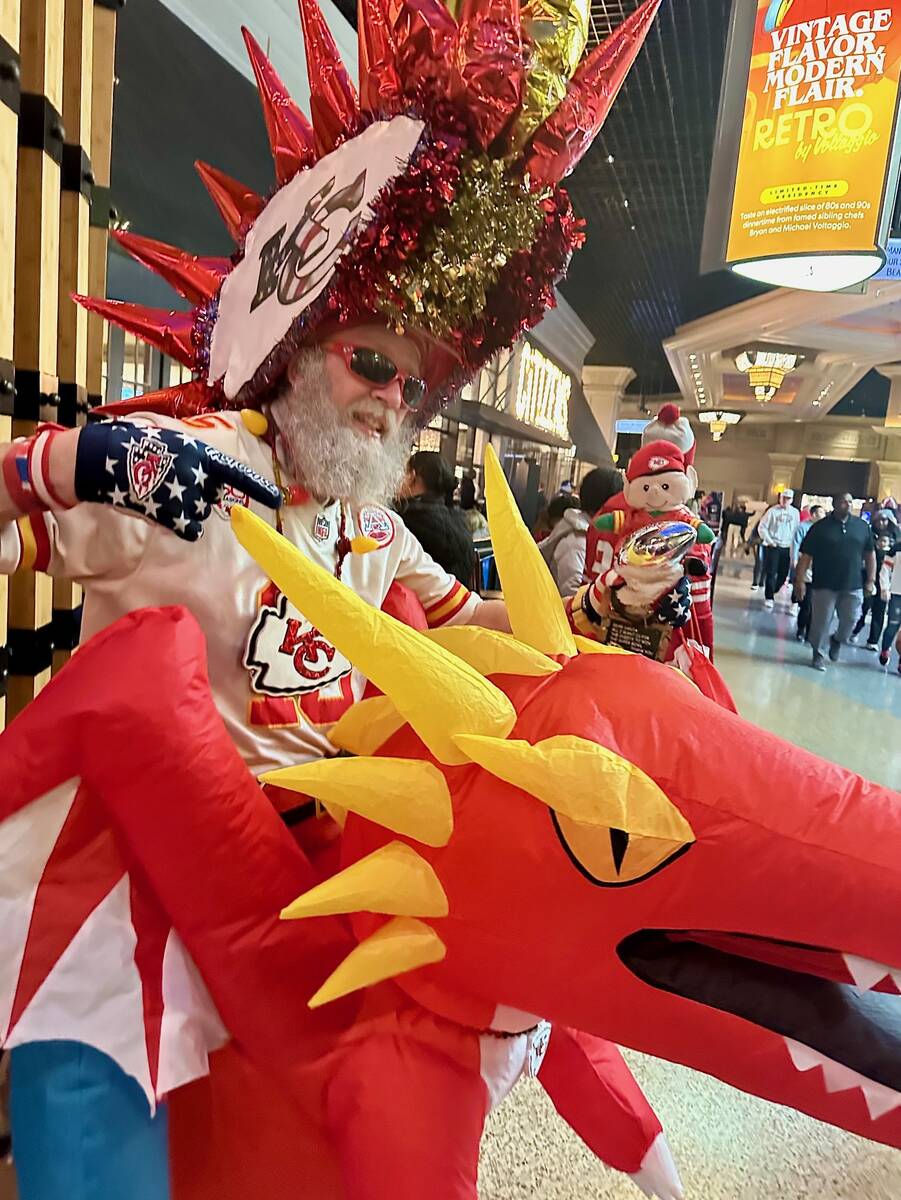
340,435
373,411
784,499
816,512
841,505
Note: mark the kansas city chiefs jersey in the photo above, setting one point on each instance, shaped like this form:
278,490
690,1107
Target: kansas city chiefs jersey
77,959
278,682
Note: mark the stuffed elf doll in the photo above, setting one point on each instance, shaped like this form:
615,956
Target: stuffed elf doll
659,484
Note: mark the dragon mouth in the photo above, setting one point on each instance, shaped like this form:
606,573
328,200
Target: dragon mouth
836,1011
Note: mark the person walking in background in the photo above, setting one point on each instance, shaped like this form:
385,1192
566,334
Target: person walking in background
426,507
837,547
468,490
777,530
885,534
816,514
890,589
564,549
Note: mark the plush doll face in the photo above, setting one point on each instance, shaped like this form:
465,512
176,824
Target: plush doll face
661,492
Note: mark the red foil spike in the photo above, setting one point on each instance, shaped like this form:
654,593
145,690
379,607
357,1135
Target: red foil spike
425,34
197,279
380,86
238,205
170,332
183,400
333,101
489,70
291,135
569,131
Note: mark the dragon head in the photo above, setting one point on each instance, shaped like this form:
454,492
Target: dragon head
552,827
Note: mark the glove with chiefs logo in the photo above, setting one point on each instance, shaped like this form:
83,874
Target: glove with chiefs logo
170,477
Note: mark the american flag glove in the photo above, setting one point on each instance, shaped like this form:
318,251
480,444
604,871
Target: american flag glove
168,476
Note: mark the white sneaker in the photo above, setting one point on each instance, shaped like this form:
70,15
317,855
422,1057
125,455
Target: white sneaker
872,647
769,604
755,587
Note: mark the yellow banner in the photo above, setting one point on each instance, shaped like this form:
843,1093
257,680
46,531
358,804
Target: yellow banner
819,124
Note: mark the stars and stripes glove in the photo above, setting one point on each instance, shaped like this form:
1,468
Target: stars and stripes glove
674,608
167,476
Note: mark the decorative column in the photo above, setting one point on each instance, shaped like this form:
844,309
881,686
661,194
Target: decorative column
888,482
10,92
892,371
786,471
603,388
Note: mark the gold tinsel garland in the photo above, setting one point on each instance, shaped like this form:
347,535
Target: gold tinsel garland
491,218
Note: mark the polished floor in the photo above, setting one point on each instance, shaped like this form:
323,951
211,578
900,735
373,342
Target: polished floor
730,1146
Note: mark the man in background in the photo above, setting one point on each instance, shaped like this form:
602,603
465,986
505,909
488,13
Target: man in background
777,530
816,514
837,548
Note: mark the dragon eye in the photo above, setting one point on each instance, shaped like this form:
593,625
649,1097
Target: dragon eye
612,857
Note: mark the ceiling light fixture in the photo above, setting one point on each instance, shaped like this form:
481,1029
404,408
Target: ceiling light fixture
766,369
719,422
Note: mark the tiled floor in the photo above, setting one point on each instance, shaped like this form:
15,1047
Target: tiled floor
730,1146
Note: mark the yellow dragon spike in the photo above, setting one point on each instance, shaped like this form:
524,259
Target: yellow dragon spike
393,880
407,796
437,694
491,652
401,945
533,603
583,781
366,726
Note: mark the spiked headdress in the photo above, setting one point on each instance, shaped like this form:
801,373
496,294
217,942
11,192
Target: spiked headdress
431,200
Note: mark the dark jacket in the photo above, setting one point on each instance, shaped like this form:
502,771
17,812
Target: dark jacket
442,534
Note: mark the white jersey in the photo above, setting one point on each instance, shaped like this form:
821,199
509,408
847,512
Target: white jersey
278,683
778,525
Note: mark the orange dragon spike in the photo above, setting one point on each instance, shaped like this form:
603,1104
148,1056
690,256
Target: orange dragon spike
238,205
333,101
169,331
380,86
196,279
290,133
560,142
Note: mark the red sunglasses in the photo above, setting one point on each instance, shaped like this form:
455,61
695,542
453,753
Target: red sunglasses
377,368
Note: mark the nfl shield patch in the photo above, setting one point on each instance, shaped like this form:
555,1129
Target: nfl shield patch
321,528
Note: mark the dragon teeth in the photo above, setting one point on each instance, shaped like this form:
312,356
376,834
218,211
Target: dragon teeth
866,973
879,1099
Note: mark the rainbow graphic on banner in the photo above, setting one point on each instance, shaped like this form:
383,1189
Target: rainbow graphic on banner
776,14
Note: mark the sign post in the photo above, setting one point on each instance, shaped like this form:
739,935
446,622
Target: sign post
807,153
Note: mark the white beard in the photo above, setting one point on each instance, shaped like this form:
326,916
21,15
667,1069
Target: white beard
328,457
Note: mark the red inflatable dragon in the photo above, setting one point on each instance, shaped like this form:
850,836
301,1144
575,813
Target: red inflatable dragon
532,825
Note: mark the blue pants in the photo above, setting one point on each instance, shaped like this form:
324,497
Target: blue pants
82,1129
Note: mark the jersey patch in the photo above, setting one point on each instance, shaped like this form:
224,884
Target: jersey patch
376,523
287,656
227,499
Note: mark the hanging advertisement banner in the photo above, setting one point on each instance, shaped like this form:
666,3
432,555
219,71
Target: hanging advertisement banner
806,162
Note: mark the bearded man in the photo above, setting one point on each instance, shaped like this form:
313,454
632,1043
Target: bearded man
396,257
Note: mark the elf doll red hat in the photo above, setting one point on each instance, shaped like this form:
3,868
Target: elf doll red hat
658,458
670,426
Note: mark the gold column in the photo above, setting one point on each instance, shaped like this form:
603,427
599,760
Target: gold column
10,89
75,212
36,314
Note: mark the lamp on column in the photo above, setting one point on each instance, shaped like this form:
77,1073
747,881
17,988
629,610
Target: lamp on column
766,369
